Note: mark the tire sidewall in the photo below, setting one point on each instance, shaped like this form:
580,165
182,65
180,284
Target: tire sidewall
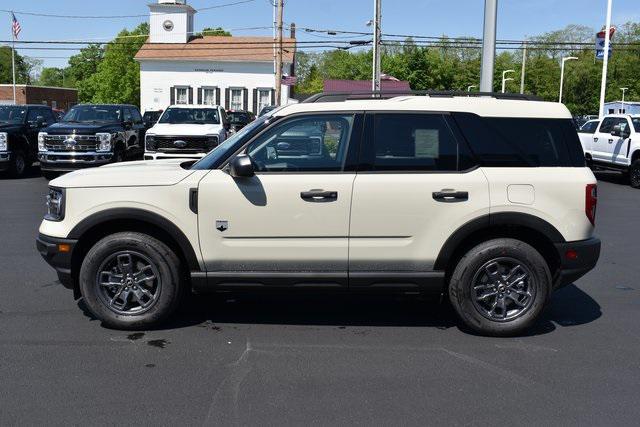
460,288
19,164
151,248
634,171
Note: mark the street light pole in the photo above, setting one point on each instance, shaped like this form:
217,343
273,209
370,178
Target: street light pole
471,87
569,58
505,80
524,65
624,90
488,45
377,27
605,59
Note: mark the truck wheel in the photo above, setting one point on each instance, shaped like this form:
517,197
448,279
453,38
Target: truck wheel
634,174
500,287
19,164
130,281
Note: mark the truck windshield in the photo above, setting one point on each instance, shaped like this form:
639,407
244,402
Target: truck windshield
12,114
94,113
198,116
219,154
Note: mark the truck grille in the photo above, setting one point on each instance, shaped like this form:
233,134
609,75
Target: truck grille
63,142
192,144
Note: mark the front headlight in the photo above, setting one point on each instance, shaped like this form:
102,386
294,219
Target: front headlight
41,143
4,138
104,141
55,205
150,142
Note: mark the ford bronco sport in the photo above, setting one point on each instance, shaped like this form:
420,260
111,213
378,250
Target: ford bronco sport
486,200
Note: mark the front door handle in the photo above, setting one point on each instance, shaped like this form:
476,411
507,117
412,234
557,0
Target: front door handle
595,139
450,196
611,141
319,196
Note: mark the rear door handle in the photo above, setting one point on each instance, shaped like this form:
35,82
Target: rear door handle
319,196
450,196
610,141
595,139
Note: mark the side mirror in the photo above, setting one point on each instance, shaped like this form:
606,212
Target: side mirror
617,130
227,126
241,167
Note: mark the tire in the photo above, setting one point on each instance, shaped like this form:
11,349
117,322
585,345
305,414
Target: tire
634,174
49,175
125,304
19,164
481,272
118,155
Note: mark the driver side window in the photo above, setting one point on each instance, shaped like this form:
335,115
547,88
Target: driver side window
304,144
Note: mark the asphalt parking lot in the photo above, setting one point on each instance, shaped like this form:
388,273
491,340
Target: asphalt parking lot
309,360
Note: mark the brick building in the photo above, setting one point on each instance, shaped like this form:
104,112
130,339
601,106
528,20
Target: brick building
56,97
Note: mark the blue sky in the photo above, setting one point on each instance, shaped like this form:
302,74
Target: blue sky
517,18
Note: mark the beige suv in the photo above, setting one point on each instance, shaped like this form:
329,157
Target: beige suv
485,200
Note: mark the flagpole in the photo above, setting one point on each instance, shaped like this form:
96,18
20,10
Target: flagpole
13,59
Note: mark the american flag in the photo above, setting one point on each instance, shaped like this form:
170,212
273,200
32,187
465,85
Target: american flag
15,26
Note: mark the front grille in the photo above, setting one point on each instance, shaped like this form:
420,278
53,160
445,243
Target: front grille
193,144
82,143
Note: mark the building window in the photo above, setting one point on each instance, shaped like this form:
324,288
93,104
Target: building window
264,99
236,101
209,96
182,95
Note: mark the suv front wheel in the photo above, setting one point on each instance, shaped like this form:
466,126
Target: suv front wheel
500,287
130,281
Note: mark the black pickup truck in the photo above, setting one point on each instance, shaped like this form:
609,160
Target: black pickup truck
91,135
19,127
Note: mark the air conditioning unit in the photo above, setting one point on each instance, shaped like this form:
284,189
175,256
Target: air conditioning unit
172,1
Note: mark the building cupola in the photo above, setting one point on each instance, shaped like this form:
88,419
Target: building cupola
171,21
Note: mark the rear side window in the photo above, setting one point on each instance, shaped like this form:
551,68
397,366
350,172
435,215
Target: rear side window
412,142
521,142
589,127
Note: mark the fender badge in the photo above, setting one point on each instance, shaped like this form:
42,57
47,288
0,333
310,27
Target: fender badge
222,226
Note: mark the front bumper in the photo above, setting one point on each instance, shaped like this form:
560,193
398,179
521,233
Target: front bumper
50,249
152,155
577,259
5,160
70,161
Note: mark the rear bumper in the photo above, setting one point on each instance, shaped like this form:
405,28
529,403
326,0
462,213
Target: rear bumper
61,261
577,259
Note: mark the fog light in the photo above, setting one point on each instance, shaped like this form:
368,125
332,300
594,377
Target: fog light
64,248
571,254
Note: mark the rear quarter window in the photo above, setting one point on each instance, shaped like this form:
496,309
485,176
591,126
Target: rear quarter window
521,142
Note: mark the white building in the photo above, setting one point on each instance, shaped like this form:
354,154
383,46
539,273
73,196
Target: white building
179,67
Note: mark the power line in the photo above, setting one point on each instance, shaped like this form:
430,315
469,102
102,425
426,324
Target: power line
49,15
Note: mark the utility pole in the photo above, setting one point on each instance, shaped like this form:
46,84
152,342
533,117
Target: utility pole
624,90
488,45
605,60
524,67
377,33
279,53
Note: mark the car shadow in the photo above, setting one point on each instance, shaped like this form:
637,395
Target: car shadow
612,177
569,306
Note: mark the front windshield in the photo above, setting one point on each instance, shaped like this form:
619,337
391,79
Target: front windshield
94,113
219,153
198,116
12,114
636,123
239,117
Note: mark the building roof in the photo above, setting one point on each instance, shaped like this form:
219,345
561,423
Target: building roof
218,48
38,87
333,86
625,102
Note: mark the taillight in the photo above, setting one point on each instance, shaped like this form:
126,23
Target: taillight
591,201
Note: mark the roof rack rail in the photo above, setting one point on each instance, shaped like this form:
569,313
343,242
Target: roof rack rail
346,96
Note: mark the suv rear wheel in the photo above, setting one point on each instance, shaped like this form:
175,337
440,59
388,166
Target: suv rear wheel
500,287
130,280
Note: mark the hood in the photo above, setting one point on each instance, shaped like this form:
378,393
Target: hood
127,174
167,129
6,127
63,128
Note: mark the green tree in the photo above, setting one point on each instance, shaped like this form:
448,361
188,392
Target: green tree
218,31
6,72
51,76
117,79
81,68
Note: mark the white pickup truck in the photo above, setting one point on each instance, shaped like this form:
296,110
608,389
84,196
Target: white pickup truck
613,143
